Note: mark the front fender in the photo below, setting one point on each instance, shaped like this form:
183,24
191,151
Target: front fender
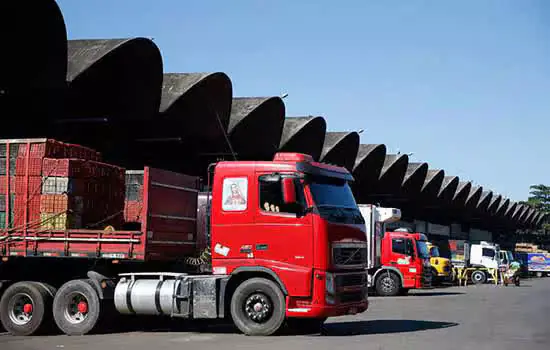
389,268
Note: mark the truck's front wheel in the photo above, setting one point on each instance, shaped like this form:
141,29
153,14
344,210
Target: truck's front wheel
387,284
25,308
76,307
258,307
479,277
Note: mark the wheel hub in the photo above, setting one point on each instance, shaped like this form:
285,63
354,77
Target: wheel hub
387,284
258,308
76,310
20,309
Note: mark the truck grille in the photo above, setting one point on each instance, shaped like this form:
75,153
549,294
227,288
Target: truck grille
350,280
353,297
349,255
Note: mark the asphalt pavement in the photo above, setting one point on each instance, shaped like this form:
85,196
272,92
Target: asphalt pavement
473,317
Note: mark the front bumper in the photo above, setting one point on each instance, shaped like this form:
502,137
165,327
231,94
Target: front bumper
320,311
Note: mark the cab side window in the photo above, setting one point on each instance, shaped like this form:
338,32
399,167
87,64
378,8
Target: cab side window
271,197
399,246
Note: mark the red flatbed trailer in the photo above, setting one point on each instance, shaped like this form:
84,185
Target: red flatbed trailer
167,233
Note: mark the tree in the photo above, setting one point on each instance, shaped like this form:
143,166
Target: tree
539,198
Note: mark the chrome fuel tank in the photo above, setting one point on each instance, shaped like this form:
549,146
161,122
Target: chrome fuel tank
150,296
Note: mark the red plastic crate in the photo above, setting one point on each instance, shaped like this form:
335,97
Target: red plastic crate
132,211
34,185
33,211
82,152
42,149
65,167
60,203
3,184
35,166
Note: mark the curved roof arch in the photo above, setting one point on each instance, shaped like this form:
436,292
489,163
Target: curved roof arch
34,66
368,165
484,201
392,172
198,103
524,214
303,135
340,148
541,219
415,177
510,210
448,188
494,204
529,217
502,207
114,78
534,218
255,126
473,197
432,183
461,193
39,61
517,212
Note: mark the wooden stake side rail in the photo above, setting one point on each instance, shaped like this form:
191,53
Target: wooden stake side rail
73,243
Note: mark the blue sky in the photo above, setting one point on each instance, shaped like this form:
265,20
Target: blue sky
464,85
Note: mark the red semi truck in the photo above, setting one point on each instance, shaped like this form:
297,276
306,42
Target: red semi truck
397,261
269,242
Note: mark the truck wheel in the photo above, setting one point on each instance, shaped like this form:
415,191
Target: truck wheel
76,307
258,307
388,284
479,277
25,308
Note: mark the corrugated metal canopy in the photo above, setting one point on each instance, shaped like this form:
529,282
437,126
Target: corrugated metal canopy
461,193
255,126
524,214
502,207
529,217
392,173
304,135
432,183
34,66
414,179
517,212
473,197
368,164
340,148
511,209
494,204
448,188
484,201
114,78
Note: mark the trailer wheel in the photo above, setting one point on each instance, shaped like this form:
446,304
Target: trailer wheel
258,307
479,277
388,284
25,308
76,307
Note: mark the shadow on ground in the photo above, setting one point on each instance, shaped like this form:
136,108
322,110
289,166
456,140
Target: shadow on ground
381,327
431,294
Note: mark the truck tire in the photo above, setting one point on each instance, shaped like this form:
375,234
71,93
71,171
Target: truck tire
26,308
258,307
479,277
388,284
76,307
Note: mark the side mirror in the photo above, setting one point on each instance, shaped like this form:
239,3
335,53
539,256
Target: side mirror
289,190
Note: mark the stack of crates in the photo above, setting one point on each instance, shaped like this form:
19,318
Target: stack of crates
60,186
133,204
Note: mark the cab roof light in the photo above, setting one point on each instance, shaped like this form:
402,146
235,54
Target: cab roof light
292,157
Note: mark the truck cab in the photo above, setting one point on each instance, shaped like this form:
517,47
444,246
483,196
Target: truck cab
485,256
398,259
441,267
408,252
295,222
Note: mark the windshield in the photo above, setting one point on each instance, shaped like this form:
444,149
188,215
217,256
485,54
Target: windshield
488,252
434,252
510,256
423,251
334,200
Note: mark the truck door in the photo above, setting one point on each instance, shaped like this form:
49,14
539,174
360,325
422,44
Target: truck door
402,257
283,235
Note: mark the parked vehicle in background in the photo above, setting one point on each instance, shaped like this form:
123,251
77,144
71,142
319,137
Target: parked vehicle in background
480,259
536,260
441,267
278,241
398,260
